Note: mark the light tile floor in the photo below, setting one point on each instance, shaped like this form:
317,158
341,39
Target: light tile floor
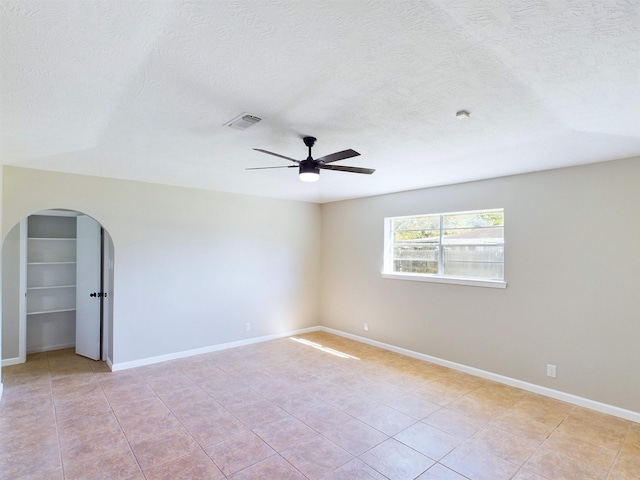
316,406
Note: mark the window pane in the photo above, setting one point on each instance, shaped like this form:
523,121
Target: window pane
474,261
416,252
415,266
474,253
426,222
415,259
422,229
487,235
417,236
489,271
474,220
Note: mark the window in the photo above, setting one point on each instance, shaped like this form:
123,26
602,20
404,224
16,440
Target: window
461,247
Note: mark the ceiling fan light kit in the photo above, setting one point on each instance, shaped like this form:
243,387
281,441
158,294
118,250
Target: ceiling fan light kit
309,169
309,172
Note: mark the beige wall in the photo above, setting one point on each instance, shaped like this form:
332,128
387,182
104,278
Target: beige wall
191,266
572,267
11,290
1,300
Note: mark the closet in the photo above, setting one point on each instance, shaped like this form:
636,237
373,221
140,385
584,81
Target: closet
51,282
67,272
57,287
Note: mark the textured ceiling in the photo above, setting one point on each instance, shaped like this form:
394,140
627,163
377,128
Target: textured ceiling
141,90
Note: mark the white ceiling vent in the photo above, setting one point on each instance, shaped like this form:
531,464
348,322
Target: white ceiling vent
244,121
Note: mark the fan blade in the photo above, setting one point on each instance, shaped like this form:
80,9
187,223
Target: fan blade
340,168
276,155
264,168
334,157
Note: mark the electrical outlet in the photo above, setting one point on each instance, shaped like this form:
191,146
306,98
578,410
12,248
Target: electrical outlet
366,327
551,371
247,327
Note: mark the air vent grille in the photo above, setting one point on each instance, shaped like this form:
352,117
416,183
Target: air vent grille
244,121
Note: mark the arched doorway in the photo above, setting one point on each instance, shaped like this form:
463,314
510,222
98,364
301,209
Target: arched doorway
57,286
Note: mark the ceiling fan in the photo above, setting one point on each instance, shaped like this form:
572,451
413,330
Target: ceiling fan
309,169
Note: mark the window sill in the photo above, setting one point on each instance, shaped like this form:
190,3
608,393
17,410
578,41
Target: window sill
450,280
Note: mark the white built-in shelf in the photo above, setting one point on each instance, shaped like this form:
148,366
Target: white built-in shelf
52,311
50,286
51,263
68,239
42,298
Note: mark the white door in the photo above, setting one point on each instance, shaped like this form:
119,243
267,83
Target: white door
107,298
88,293
22,307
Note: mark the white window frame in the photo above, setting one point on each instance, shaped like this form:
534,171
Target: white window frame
388,272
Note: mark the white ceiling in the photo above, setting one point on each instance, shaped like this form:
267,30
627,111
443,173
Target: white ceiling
141,90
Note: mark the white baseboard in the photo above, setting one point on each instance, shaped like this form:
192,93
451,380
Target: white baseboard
197,351
530,387
7,362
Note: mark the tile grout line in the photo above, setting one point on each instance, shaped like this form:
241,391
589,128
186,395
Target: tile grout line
200,447
541,445
55,416
119,425
619,451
